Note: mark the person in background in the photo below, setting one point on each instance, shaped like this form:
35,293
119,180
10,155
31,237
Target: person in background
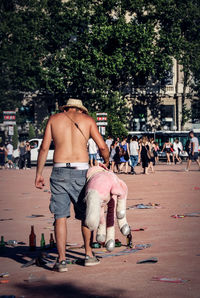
143,149
22,155
177,147
109,142
113,153
9,149
194,153
3,153
134,153
28,155
187,147
156,149
124,158
167,148
92,149
152,155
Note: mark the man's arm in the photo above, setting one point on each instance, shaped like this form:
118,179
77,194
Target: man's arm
44,148
103,148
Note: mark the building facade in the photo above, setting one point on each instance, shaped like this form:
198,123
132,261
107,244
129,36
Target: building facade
160,107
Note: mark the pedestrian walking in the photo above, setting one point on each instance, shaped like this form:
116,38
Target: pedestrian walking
143,152
151,155
9,149
194,153
113,156
134,153
109,142
124,155
177,148
70,132
167,147
92,149
22,155
28,155
156,150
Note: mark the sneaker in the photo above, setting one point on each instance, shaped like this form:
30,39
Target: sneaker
91,261
60,266
186,170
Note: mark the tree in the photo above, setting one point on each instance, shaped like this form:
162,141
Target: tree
31,133
90,49
15,137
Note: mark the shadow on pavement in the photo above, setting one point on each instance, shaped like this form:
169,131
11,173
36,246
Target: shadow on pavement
23,255
65,290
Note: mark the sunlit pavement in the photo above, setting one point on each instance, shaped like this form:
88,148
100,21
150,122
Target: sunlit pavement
175,242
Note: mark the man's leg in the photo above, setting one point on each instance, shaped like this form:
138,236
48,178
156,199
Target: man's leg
135,162
90,259
188,164
95,161
86,238
61,237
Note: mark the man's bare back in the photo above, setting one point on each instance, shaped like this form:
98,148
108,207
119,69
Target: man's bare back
70,143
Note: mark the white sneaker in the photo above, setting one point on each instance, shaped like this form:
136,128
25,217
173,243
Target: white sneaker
186,170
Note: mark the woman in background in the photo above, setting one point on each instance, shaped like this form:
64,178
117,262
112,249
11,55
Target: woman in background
167,148
144,148
22,155
28,155
124,158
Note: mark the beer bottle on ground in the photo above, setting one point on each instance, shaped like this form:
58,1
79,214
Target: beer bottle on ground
32,239
51,241
42,241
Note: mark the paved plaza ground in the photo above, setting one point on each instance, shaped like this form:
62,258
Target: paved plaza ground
175,242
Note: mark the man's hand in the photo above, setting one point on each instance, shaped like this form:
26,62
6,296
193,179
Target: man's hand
39,181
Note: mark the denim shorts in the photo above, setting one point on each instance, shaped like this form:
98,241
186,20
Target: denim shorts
92,156
9,157
67,185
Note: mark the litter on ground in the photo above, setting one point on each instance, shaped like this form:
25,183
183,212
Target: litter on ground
194,214
144,206
150,260
169,279
136,248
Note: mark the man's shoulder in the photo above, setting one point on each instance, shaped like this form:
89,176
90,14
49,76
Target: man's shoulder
56,116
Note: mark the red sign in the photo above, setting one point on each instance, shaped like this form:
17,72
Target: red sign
101,118
9,117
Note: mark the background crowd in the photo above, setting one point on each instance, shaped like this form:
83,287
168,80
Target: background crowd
125,153
129,152
6,156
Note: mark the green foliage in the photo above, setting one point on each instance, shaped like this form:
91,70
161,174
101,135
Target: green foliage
43,125
15,137
31,132
88,49
115,127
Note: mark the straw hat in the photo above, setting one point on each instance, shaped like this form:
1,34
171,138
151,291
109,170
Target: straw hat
74,103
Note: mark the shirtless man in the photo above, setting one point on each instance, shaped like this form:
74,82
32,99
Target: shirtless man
70,132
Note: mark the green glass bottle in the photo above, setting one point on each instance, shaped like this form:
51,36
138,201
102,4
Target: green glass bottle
42,241
2,243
